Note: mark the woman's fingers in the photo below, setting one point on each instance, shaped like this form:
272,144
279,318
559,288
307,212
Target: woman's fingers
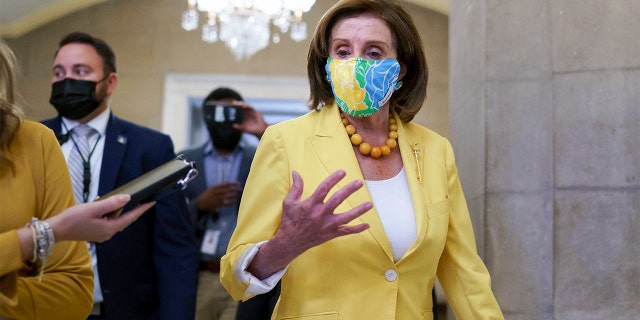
346,217
107,205
325,186
132,215
313,214
347,230
108,227
342,194
296,188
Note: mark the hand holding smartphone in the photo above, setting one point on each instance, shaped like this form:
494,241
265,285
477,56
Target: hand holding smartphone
222,113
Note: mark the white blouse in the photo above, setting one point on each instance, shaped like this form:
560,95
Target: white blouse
392,201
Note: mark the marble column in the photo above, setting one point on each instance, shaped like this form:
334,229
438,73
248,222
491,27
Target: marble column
544,117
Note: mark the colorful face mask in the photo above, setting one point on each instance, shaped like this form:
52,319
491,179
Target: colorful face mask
362,87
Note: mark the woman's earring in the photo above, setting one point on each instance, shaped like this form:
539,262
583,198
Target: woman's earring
398,84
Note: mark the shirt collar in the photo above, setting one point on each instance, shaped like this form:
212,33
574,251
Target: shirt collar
99,123
209,150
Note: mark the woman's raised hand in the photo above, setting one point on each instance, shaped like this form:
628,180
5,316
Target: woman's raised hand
313,221
308,223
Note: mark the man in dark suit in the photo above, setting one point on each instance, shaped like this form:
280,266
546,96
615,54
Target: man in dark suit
214,196
147,271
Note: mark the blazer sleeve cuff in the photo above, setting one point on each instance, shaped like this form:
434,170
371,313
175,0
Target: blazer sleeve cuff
256,286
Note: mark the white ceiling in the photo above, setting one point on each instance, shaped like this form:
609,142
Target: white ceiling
18,17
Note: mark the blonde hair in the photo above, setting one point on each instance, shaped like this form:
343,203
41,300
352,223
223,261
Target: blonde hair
10,112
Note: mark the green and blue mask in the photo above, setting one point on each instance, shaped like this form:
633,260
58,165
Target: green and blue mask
361,87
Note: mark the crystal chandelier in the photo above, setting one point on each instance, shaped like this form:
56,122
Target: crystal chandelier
244,25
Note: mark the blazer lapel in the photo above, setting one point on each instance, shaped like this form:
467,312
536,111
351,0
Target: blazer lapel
115,145
412,149
335,151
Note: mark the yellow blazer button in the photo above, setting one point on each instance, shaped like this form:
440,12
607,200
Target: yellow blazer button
391,275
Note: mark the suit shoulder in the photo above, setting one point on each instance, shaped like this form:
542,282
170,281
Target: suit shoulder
297,124
191,152
137,129
249,151
49,122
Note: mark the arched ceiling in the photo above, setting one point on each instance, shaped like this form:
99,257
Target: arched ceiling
18,17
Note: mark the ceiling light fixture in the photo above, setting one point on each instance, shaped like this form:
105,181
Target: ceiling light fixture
245,25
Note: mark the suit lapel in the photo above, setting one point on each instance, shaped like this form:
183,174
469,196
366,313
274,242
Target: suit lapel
199,184
115,145
57,125
245,164
335,151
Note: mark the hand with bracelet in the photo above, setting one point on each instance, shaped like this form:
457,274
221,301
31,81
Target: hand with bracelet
81,222
45,267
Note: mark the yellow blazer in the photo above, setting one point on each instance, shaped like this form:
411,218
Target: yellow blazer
40,187
355,277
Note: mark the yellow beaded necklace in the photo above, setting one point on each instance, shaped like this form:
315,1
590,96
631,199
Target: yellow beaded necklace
365,148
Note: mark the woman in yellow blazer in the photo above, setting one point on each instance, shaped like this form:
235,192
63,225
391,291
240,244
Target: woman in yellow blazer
344,248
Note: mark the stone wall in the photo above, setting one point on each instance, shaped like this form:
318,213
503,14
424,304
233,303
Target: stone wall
545,121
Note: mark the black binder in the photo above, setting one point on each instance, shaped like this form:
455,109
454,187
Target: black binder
174,174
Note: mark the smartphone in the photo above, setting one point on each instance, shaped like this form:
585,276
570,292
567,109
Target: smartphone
219,112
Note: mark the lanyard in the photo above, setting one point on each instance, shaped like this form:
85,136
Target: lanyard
86,164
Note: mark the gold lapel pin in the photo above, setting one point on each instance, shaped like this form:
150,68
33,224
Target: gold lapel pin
418,158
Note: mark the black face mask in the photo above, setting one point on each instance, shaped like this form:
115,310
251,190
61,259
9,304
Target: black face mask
221,131
224,136
74,99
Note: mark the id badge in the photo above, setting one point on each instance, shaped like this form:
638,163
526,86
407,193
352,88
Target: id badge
210,242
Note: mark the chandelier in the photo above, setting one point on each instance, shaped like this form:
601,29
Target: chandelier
245,25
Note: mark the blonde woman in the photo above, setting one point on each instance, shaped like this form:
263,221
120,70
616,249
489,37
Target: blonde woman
43,275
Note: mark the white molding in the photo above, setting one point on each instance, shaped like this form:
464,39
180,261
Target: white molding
178,87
